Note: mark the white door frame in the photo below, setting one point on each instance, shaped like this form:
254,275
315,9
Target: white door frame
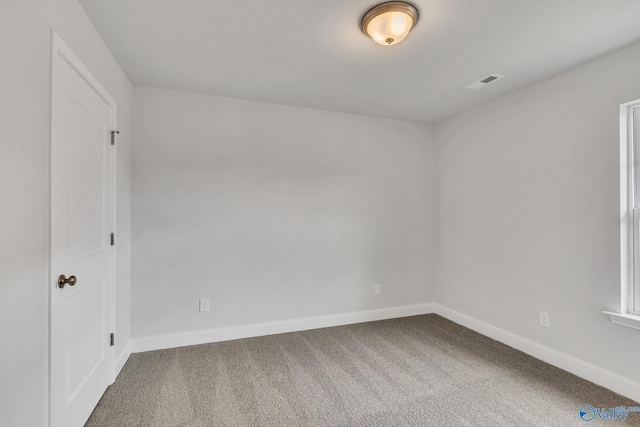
60,48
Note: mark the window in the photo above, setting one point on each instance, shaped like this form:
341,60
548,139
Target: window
633,142
629,314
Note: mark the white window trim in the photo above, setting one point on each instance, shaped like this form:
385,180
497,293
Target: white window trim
629,263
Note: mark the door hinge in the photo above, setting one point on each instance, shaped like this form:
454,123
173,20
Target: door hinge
113,239
112,339
113,136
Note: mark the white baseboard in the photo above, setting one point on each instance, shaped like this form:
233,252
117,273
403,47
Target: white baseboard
121,359
580,368
260,329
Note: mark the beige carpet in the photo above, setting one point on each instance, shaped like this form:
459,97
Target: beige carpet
415,371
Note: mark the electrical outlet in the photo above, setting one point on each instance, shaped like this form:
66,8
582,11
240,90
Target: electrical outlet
204,305
544,319
377,290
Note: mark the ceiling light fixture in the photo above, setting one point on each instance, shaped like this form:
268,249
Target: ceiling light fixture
389,23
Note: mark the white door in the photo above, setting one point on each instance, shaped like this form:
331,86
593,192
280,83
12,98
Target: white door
81,224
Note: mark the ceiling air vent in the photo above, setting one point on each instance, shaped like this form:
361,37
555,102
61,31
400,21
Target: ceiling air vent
479,84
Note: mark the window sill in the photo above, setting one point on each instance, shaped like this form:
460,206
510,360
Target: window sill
628,320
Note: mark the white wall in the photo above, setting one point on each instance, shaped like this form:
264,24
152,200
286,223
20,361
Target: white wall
528,208
24,181
274,212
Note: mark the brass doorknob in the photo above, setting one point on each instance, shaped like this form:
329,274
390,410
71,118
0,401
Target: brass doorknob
63,281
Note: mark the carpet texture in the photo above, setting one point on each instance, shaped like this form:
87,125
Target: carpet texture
414,371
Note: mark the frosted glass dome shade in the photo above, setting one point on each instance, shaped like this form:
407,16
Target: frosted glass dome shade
389,23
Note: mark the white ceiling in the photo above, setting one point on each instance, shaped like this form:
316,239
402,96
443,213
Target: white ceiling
311,53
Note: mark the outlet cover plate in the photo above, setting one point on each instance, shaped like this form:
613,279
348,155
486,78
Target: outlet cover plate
544,319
